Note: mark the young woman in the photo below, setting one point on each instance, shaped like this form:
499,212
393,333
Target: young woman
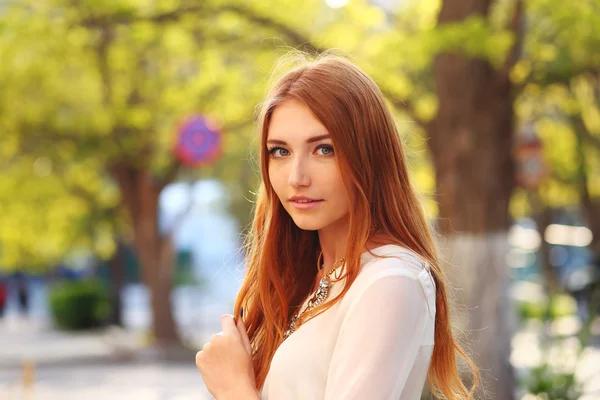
343,296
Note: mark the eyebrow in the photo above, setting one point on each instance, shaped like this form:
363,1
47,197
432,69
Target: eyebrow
309,140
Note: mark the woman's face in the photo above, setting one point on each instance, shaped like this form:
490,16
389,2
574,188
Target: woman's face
303,169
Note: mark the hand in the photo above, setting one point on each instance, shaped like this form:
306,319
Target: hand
225,362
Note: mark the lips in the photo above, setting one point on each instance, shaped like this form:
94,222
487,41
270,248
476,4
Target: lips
303,199
305,203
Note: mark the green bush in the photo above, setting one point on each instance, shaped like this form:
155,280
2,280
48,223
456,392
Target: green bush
550,385
560,306
79,304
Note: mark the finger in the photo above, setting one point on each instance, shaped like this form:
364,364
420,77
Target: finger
199,356
244,335
228,325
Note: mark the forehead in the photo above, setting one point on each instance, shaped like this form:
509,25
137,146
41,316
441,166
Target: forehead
293,121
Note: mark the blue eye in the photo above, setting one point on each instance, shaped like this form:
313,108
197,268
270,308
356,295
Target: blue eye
273,150
327,150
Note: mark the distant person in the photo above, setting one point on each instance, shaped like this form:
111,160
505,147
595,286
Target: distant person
343,294
3,296
22,293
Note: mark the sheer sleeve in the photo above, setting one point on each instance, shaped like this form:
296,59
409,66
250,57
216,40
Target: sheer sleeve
379,339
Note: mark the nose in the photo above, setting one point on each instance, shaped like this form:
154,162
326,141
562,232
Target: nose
298,175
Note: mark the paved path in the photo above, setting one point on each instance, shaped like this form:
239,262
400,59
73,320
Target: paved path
126,381
100,364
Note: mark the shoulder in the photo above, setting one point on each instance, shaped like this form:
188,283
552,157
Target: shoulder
393,271
391,260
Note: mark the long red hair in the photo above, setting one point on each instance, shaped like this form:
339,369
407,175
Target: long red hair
281,258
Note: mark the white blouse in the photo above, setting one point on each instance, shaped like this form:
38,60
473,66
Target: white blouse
375,343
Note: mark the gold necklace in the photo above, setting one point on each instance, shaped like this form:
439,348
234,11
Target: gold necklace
318,298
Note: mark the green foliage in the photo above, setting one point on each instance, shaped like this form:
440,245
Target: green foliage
50,210
560,306
561,37
552,385
558,86
84,87
79,305
555,378
108,80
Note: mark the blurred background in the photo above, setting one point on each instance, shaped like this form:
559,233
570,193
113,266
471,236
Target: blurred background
127,159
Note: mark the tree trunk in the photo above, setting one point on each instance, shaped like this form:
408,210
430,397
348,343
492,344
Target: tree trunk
117,280
471,145
542,215
140,192
479,275
591,207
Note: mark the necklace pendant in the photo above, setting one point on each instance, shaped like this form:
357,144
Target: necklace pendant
317,299
291,328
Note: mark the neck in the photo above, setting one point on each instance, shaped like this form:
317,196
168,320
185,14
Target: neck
333,244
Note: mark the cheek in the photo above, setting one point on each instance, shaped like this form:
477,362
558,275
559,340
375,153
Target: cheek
275,177
335,184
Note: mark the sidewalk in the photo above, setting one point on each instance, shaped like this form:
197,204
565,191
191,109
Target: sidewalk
102,364
36,341
129,381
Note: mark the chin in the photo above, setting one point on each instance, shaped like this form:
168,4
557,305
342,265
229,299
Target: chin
306,225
